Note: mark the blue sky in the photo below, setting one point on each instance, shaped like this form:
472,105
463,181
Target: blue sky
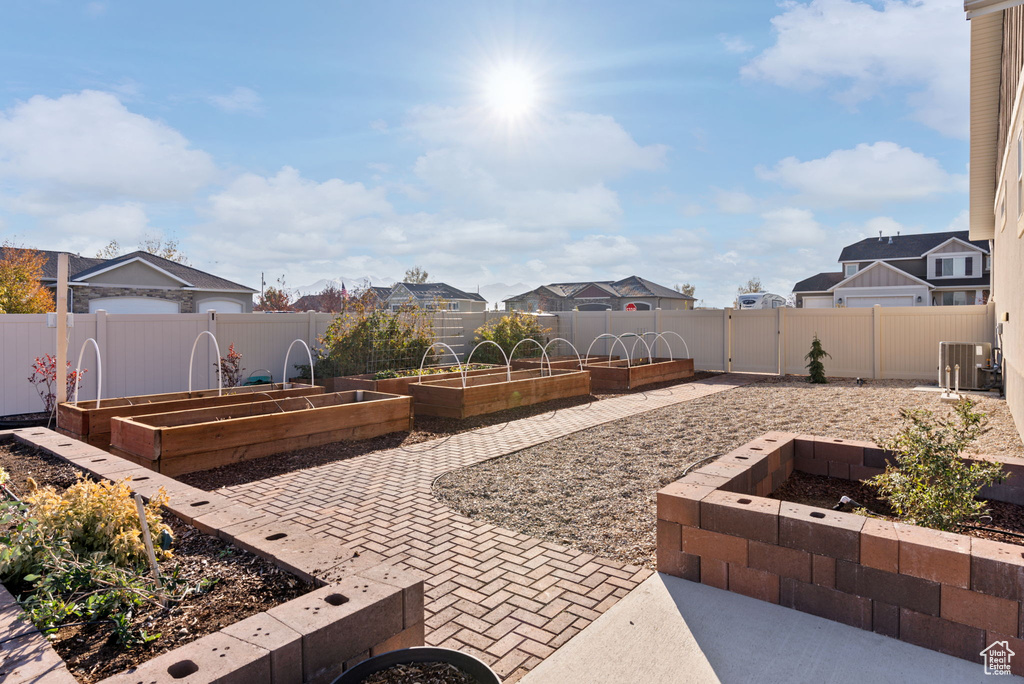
322,140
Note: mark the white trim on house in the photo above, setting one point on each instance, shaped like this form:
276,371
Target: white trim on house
873,265
979,8
208,289
118,265
966,244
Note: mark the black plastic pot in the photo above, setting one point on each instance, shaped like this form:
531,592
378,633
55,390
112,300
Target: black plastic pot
24,421
422,654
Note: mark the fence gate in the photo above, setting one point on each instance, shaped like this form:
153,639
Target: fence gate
754,340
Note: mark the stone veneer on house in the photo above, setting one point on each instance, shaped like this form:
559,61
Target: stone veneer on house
946,592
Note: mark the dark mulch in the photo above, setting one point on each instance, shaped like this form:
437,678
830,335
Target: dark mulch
825,492
245,584
427,428
421,673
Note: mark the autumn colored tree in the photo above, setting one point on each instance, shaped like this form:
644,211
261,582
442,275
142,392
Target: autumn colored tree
416,275
274,298
21,289
166,249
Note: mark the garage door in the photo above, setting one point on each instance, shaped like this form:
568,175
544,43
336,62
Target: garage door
855,302
817,302
219,305
133,305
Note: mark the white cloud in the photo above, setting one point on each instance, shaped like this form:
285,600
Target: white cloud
866,176
551,172
790,227
857,50
961,221
734,202
240,99
735,44
89,144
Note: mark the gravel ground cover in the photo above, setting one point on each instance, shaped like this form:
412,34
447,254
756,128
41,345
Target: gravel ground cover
595,490
426,428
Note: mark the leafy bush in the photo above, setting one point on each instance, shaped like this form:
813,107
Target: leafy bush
365,341
931,484
816,368
231,367
78,556
44,377
507,332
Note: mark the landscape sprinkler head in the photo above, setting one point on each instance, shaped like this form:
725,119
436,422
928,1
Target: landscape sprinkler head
844,500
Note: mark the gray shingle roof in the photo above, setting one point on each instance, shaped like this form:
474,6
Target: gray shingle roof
903,246
983,281
440,291
80,268
818,283
633,286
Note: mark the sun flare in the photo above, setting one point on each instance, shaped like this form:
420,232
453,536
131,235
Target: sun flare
511,91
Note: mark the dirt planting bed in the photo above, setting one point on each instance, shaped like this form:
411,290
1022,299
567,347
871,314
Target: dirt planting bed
595,490
825,492
245,584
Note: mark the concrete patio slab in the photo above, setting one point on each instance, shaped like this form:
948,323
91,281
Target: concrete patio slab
669,630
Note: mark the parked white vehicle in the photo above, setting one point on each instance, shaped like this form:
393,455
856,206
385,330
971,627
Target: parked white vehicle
760,300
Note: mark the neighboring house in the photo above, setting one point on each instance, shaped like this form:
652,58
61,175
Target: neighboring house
927,269
141,282
602,295
997,174
432,296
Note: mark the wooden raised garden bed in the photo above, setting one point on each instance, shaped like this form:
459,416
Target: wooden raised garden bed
87,423
200,439
568,362
367,382
947,592
617,376
490,393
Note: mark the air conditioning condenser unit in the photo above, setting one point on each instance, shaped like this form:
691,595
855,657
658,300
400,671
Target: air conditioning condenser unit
970,356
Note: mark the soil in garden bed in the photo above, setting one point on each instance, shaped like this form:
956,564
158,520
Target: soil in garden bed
825,492
421,673
426,428
245,584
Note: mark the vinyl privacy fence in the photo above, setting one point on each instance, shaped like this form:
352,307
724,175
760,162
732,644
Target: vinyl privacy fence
149,353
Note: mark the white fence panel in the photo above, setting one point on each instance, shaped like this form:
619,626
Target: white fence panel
754,341
149,353
910,337
705,335
846,334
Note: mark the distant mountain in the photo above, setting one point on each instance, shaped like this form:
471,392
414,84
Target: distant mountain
498,292
350,285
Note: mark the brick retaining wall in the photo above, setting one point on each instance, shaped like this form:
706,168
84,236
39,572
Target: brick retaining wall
943,591
363,607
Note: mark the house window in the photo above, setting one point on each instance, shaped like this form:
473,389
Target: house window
988,262
851,269
951,267
958,298
453,306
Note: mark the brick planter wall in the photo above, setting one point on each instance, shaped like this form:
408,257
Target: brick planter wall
946,592
363,607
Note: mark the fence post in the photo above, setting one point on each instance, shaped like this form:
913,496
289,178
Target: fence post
657,329
607,326
575,315
311,334
727,339
876,328
101,342
780,338
211,366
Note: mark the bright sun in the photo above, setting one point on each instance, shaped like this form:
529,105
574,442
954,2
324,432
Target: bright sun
511,91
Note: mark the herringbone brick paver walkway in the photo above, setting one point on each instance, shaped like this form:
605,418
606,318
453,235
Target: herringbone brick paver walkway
508,598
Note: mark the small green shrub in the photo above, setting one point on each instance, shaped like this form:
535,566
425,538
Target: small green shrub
930,484
507,332
816,368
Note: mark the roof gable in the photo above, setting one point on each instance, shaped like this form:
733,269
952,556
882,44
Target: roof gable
955,241
820,282
897,276
115,264
593,291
